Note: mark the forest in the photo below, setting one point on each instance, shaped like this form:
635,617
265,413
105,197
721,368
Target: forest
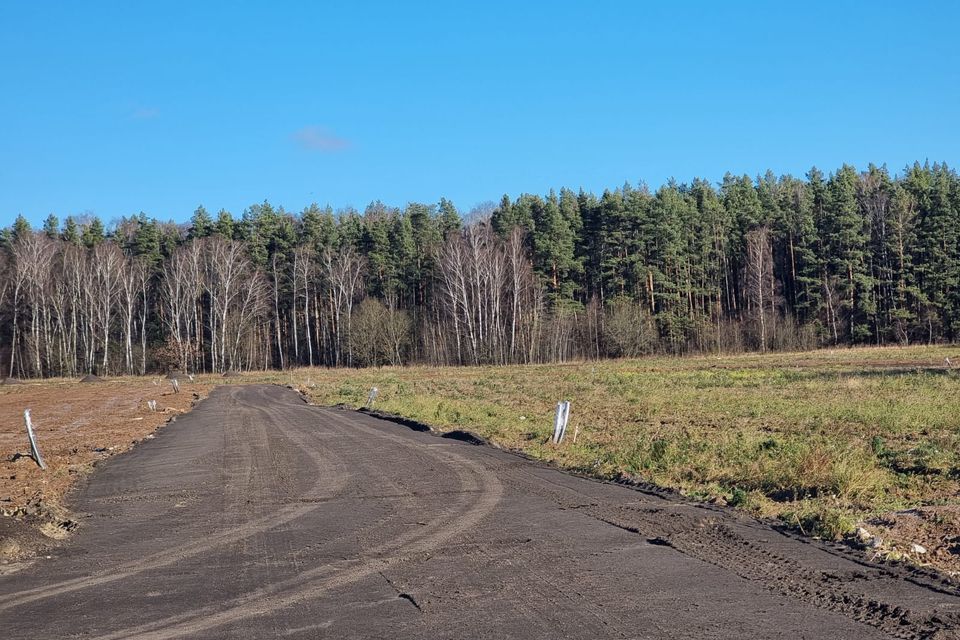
769,263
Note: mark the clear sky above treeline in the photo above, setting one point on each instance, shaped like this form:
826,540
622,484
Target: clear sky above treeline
110,108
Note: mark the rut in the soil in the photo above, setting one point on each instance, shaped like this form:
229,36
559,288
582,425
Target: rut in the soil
705,535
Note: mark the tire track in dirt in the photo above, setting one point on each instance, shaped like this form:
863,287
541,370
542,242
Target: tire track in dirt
315,582
332,476
699,532
414,541
481,542
543,597
702,534
552,596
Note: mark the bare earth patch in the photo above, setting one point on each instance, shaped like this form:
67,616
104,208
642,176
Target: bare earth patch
926,536
77,426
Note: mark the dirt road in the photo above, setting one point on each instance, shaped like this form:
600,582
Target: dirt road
258,516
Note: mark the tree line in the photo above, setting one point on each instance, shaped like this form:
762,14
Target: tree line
766,263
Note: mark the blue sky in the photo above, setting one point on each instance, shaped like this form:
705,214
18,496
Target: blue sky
116,107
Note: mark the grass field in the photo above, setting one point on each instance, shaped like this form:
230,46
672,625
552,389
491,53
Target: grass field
823,440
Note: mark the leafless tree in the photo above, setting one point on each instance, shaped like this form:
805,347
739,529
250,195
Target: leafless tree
227,274
304,272
180,289
19,274
107,266
760,281
134,300
245,317
485,285
397,329
276,273
342,270
33,255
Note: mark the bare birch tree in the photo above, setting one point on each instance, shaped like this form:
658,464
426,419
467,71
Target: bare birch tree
343,270
760,281
226,267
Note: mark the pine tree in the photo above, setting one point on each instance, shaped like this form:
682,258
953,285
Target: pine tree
375,245
146,240
319,228
51,227
258,228
937,263
614,248
93,233
553,247
350,229
907,297
21,228
589,244
71,232
715,245
742,203
225,226
797,233
846,246
669,263
570,212
402,283
428,232
201,224
502,217
507,216
875,197
449,217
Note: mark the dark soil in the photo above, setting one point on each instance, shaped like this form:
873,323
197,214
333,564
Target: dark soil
91,378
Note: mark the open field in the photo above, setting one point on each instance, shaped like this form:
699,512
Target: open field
259,516
824,441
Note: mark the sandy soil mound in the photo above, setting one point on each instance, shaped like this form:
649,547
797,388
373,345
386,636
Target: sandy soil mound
91,378
10,381
231,374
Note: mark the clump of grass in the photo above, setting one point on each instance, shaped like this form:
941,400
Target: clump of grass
821,520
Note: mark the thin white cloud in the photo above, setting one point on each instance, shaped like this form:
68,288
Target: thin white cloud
319,139
144,113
